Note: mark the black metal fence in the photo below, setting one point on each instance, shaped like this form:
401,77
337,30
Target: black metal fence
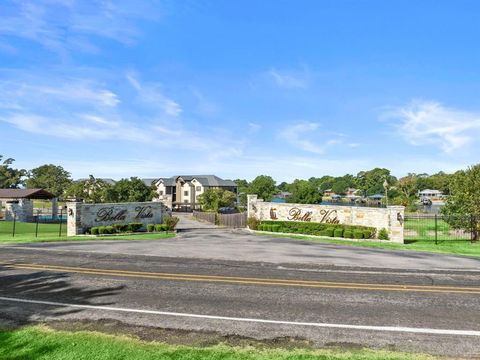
440,228
42,224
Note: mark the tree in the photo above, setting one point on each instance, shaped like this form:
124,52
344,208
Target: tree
214,199
304,192
129,190
52,178
91,190
263,186
462,208
10,178
242,189
371,182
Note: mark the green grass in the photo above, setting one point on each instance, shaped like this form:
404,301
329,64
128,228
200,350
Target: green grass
424,229
465,248
41,343
25,233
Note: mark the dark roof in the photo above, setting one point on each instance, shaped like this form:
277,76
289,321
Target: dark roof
205,180
25,194
149,181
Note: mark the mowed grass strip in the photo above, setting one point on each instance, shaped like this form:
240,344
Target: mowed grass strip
42,343
452,247
25,233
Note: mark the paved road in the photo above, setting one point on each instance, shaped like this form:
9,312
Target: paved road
326,305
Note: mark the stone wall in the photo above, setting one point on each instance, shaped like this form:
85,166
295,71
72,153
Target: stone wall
81,216
21,209
390,218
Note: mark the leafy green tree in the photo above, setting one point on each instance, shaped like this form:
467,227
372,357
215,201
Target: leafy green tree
304,192
242,188
462,208
91,190
52,178
263,186
371,181
129,190
10,178
340,186
214,199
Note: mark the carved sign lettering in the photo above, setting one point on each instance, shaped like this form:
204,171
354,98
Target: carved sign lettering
295,214
329,217
111,214
144,212
273,214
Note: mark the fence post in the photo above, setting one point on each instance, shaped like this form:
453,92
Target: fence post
61,220
436,229
36,225
14,222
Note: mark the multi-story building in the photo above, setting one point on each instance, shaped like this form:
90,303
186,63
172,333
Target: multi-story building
182,191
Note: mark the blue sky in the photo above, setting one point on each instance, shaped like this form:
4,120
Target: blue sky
292,89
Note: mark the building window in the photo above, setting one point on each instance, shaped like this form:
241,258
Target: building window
160,192
185,193
198,188
186,201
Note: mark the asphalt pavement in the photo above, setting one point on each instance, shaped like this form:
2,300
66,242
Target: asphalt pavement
215,281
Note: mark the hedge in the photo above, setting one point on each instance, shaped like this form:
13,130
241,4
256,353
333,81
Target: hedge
319,229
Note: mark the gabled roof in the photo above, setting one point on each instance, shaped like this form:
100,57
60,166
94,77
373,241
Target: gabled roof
25,194
149,181
205,180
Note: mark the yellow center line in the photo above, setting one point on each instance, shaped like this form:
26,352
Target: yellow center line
251,281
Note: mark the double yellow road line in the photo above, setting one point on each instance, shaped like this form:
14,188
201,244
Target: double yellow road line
248,280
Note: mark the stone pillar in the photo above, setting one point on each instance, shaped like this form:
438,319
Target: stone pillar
251,205
21,209
74,212
54,209
396,222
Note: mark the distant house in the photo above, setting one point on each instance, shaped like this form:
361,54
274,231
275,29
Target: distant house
328,193
352,193
429,193
376,197
182,191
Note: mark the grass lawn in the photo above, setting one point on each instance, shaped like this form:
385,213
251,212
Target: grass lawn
39,342
424,229
25,233
454,247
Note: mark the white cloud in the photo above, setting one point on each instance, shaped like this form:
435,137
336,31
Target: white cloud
152,94
289,80
254,127
302,135
431,123
62,26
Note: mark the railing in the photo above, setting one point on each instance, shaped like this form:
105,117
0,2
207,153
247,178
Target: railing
440,228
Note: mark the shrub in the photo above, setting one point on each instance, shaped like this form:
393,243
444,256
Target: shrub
171,222
275,228
253,223
348,234
94,230
338,232
101,230
383,234
368,234
358,234
120,227
329,232
150,227
134,227
109,230
160,227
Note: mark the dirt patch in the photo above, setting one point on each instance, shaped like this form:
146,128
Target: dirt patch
179,337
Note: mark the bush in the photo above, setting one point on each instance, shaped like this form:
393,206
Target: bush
171,222
369,234
150,227
329,232
338,232
358,234
101,230
348,234
253,223
120,227
94,230
109,230
134,227
161,227
383,234
275,228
